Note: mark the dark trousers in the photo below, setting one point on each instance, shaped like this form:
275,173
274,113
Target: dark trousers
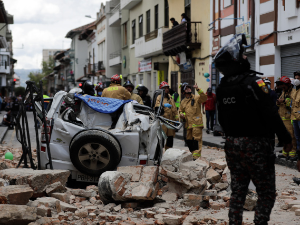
170,141
251,159
210,117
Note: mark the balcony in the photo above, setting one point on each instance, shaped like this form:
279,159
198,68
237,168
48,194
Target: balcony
178,40
150,44
129,4
115,18
4,67
115,58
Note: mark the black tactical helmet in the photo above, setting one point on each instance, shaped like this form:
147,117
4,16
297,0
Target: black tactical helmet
88,88
128,83
230,59
143,89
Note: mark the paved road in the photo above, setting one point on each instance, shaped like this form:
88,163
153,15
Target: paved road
10,139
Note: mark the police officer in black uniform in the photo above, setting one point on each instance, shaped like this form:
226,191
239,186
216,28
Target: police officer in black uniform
244,104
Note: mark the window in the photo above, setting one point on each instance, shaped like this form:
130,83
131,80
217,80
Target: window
141,79
187,8
124,34
156,17
166,13
148,21
133,31
140,25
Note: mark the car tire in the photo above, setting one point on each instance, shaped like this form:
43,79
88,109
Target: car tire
93,152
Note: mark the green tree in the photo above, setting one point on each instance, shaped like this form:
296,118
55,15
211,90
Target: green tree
19,91
47,68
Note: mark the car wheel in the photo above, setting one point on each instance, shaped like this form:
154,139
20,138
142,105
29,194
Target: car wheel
94,152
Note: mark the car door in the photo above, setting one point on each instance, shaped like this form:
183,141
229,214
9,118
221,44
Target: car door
62,134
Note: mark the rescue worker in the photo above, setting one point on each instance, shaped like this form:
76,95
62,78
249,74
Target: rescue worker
176,98
115,90
143,92
170,112
88,88
284,104
99,89
244,104
190,110
129,86
296,116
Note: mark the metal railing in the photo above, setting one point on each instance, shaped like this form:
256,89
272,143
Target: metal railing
180,37
115,54
116,9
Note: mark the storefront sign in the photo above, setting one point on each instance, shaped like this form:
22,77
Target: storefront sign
216,45
145,65
244,29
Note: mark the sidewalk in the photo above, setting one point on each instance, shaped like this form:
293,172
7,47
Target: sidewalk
213,141
3,131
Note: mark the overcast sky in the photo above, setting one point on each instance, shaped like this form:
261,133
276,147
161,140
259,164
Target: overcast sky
43,24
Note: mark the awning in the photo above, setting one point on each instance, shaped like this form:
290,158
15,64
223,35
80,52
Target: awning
13,61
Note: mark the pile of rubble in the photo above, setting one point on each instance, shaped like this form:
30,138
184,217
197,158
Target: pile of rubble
178,192
289,201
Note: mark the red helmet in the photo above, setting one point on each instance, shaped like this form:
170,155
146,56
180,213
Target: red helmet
285,80
116,79
163,84
99,86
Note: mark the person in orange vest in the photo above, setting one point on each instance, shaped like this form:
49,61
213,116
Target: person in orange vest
190,110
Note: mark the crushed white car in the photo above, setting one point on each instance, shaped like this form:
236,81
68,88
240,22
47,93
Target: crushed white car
87,147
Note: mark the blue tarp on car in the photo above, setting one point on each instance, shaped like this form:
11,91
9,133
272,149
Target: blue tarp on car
102,104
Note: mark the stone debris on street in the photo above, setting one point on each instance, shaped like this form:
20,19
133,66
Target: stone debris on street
180,191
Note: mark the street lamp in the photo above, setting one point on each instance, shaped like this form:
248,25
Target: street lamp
89,16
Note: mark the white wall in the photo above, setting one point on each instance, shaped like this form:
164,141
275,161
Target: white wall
81,54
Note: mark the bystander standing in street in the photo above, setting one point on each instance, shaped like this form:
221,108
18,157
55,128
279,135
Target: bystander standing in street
210,110
7,120
190,110
174,22
170,112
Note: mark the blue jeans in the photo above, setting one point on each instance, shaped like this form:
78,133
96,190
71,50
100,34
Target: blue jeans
210,117
296,124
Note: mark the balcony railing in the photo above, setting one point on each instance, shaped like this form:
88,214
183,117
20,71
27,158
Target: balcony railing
116,9
115,58
101,65
115,54
181,38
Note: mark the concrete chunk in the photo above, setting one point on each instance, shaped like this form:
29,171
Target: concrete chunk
55,187
172,159
218,164
15,194
17,214
172,219
136,171
149,174
212,176
37,179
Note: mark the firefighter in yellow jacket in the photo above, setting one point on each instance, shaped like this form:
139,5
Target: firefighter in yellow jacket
115,90
284,104
190,111
170,112
129,86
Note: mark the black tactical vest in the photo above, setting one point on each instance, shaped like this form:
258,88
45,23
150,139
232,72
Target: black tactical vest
239,111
